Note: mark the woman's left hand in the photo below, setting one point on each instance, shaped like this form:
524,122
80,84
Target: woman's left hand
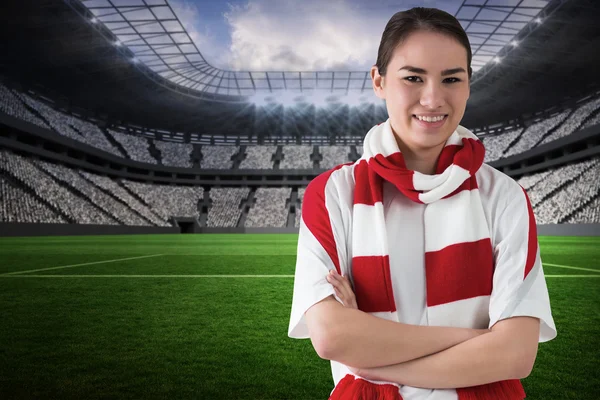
343,289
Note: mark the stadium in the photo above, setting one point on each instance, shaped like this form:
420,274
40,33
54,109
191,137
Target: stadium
176,187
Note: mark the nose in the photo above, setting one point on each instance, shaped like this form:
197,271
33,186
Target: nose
432,95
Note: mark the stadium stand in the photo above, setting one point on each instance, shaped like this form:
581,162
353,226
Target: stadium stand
557,179
58,121
258,157
532,135
109,204
225,210
590,214
123,195
40,191
71,126
496,145
595,120
175,154
270,208
579,186
218,157
568,194
299,206
574,122
333,156
17,205
530,180
296,157
12,106
135,146
76,208
93,135
168,200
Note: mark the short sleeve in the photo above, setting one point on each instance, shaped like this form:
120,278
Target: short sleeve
321,248
519,286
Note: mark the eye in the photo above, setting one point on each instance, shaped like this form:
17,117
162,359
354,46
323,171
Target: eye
454,81
412,79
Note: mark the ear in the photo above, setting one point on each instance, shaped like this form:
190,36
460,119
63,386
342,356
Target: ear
377,82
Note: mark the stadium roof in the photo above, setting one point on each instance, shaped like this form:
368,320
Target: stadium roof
49,48
150,33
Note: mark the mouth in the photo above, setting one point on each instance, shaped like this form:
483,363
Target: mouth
434,124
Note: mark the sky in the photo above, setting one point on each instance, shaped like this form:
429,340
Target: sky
290,34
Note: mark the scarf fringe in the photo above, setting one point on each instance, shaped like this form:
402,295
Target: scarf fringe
350,388
511,389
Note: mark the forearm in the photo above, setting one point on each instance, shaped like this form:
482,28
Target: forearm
361,340
483,359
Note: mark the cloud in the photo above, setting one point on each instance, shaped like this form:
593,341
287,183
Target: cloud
291,35
308,35
209,45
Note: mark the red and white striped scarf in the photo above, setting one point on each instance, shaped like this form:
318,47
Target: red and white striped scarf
459,262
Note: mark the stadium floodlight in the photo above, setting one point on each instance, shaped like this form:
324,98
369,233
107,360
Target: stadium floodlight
261,100
514,43
290,99
135,60
497,60
538,20
362,101
354,101
94,20
319,99
118,43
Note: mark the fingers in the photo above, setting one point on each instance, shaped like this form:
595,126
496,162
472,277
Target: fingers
342,288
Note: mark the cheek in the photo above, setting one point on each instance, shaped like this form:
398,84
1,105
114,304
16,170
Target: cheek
403,101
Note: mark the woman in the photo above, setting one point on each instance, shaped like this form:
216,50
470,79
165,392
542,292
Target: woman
418,270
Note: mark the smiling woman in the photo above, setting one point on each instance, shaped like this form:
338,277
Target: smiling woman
418,272
425,83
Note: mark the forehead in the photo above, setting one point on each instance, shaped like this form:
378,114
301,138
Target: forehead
431,51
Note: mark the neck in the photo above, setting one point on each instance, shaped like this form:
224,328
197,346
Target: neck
418,159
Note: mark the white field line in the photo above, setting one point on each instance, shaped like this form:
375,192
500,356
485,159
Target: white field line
566,266
18,273
78,265
145,276
211,276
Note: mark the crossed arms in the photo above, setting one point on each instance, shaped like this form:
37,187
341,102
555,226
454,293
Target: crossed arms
422,356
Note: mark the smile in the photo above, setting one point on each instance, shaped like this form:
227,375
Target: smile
435,123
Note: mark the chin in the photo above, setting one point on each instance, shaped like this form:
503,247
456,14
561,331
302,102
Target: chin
428,139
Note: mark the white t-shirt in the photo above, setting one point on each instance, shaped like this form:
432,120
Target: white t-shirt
331,196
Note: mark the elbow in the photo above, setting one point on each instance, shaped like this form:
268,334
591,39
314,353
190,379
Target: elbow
524,361
524,367
322,320
323,341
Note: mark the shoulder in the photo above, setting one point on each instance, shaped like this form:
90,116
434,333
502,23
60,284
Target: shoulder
506,204
496,184
500,194
336,182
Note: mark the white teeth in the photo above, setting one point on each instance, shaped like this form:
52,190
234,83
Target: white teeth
430,119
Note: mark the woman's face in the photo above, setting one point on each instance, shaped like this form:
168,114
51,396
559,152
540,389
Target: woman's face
426,76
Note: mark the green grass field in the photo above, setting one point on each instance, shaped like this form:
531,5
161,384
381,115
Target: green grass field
121,317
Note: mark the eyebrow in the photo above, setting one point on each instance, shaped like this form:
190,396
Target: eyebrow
422,71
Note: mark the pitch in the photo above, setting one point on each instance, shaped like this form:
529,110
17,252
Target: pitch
206,316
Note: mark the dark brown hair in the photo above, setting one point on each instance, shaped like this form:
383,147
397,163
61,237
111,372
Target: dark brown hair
403,23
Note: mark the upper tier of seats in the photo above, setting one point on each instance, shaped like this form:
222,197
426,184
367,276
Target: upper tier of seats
187,155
